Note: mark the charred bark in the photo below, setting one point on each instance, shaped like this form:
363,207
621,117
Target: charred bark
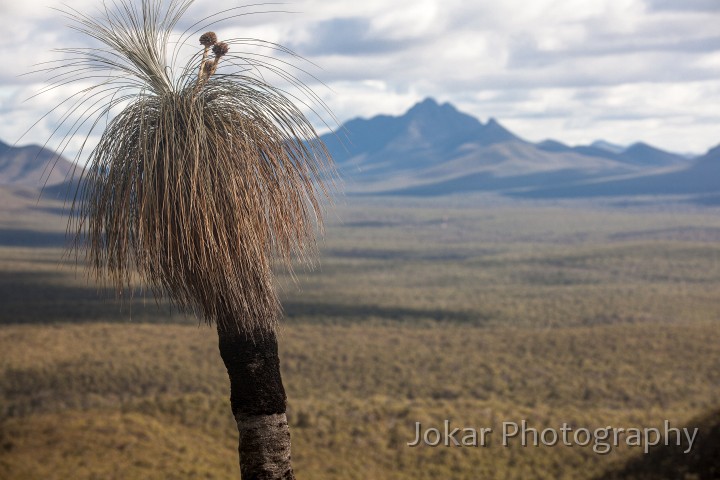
258,402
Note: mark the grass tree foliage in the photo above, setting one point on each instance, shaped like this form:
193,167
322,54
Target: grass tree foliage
203,177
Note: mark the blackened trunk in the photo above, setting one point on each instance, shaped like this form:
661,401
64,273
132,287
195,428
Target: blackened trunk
258,401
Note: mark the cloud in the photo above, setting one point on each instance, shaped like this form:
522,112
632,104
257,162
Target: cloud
571,69
345,36
685,5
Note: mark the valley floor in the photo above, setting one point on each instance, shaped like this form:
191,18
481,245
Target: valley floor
590,317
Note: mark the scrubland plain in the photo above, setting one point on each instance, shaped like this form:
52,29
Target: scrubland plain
476,312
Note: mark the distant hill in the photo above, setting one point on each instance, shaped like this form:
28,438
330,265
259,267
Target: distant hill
640,154
701,179
32,166
434,149
610,147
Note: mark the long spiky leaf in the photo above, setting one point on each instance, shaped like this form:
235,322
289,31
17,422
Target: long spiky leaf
200,182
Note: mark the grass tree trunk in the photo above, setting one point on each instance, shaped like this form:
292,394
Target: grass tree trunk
258,402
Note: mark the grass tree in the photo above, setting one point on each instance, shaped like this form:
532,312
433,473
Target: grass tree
204,178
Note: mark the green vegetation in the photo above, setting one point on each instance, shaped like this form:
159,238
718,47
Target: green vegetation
590,316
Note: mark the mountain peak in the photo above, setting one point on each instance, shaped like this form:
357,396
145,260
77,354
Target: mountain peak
713,152
432,121
446,118
494,132
428,102
430,106
641,153
550,145
437,130
640,146
608,147
32,166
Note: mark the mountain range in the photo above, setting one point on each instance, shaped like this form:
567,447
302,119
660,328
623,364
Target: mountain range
435,150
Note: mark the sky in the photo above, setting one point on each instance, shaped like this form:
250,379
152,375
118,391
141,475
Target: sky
570,70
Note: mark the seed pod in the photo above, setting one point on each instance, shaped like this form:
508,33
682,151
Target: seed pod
208,39
220,49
